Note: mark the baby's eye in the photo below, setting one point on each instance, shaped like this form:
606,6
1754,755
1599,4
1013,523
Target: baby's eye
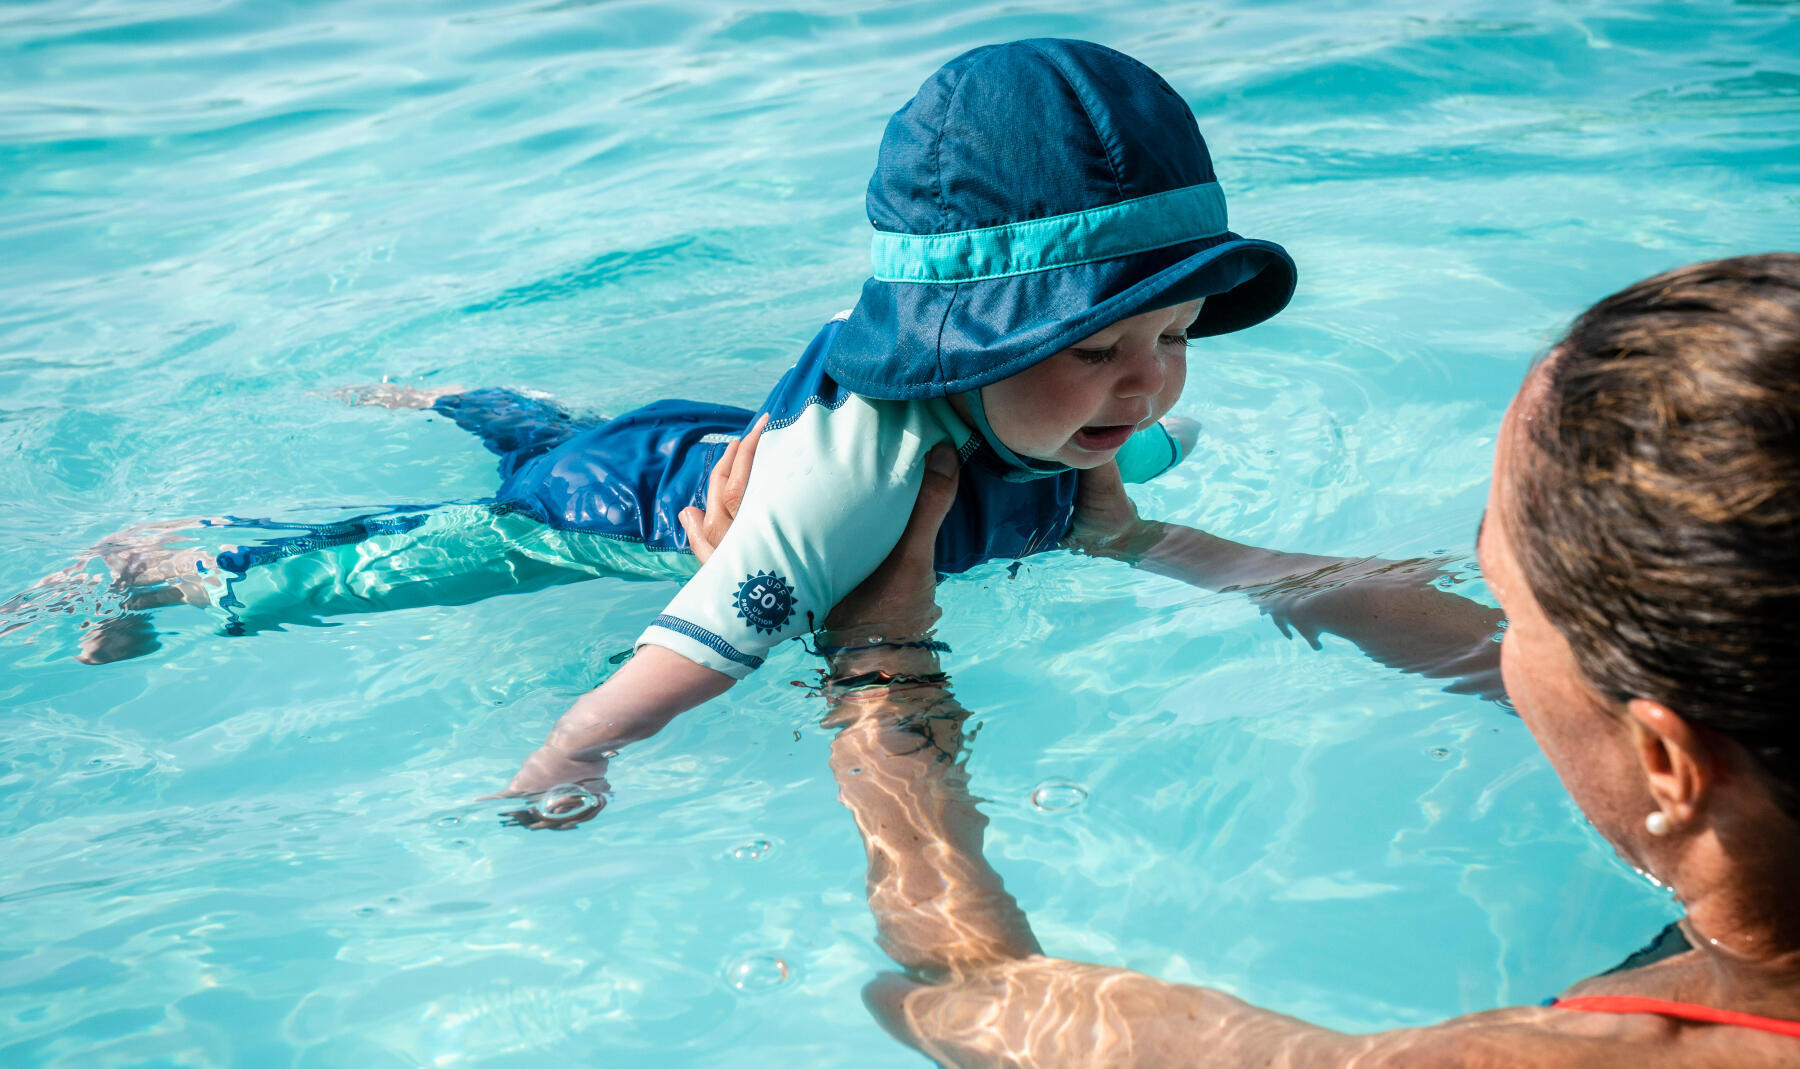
1095,356
1178,338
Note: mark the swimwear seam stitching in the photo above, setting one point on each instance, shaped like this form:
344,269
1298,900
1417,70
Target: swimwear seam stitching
815,399
706,638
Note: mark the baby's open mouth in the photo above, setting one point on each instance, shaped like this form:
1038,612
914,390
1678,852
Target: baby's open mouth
1099,438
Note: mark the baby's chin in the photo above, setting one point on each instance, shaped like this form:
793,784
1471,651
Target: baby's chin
1084,459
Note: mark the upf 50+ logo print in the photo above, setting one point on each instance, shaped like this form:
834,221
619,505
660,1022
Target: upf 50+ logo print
766,600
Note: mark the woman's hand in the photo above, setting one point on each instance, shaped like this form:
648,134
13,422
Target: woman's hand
900,597
724,494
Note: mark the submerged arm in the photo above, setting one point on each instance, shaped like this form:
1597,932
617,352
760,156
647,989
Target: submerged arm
979,990
940,909
1391,610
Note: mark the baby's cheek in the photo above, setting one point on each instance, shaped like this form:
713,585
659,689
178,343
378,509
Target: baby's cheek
1176,379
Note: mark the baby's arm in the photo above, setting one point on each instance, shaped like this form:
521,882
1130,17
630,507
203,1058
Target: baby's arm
647,692
1391,610
656,685
832,496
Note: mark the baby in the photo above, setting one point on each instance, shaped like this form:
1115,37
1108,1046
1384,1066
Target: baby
1049,235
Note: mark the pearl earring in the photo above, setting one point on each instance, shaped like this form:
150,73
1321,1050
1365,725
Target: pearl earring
1657,823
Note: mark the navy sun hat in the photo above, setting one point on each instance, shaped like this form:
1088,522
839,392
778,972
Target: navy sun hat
1031,194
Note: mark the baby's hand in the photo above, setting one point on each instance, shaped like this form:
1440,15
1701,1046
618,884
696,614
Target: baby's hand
561,808
564,791
1106,522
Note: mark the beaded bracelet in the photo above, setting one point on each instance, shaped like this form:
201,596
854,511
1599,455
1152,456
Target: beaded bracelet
879,680
931,644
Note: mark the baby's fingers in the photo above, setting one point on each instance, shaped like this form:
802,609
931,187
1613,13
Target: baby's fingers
693,521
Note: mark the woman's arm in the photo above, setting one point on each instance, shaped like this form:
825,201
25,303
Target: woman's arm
1391,610
940,909
980,991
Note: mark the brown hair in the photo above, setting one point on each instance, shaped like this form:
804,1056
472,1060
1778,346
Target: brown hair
1657,515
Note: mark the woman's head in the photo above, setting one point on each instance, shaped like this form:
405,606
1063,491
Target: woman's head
1648,487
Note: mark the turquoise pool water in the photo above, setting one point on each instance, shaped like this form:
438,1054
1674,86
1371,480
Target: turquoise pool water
262,851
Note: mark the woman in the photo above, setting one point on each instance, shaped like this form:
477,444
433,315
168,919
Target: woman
1643,537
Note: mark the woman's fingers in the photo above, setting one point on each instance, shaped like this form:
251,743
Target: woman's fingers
739,478
725,486
936,494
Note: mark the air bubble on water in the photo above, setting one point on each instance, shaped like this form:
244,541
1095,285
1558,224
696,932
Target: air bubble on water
1438,753
1058,795
565,801
752,851
449,822
367,911
757,972
609,754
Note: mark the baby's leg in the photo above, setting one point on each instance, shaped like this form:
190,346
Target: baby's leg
450,555
510,424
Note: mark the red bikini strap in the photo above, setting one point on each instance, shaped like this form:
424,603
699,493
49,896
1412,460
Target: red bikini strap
1685,1011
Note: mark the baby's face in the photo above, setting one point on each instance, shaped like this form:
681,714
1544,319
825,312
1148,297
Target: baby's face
1079,406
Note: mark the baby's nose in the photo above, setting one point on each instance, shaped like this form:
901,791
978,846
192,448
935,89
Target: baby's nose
1143,373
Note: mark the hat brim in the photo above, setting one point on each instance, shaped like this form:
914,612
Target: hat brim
911,340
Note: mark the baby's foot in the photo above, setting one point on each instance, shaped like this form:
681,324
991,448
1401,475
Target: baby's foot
156,555
392,395
117,638
149,567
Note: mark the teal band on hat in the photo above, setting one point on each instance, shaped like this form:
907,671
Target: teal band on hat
1111,230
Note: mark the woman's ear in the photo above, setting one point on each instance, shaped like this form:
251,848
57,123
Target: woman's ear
1678,761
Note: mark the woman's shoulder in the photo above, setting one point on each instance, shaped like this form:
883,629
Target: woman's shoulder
1527,1037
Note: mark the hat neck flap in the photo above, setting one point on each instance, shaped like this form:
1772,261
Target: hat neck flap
1015,468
